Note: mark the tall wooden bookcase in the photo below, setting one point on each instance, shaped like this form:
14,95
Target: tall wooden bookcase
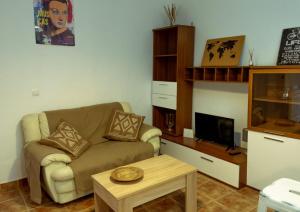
173,52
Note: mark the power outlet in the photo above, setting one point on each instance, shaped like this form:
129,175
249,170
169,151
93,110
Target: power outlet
35,92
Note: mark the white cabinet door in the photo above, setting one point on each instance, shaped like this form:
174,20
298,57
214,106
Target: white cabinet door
219,169
271,157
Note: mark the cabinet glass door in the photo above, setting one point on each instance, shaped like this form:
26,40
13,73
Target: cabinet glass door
276,102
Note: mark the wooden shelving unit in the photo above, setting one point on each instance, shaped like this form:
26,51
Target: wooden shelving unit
274,100
173,51
219,74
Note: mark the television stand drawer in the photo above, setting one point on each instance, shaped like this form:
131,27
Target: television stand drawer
222,170
219,169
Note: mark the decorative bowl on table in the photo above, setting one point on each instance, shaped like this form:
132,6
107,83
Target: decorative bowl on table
127,174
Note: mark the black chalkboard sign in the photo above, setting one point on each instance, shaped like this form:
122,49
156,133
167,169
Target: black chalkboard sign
289,51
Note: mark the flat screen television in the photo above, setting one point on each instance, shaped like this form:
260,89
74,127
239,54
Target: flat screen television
214,128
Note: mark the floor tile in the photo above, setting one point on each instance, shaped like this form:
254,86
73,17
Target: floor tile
82,203
30,204
213,207
237,202
213,190
8,195
165,205
9,186
51,207
13,205
201,178
202,199
249,192
140,209
212,196
155,201
178,196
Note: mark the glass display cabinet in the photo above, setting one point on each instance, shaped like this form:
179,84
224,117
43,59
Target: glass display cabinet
274,100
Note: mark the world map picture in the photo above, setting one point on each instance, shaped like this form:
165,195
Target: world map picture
223,51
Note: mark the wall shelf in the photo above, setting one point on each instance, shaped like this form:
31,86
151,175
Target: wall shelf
276,100
217,74
165,55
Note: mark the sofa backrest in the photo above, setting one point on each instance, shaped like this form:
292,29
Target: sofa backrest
37,126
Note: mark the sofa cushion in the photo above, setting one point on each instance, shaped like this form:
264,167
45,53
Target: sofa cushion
105,156
68,139
124,126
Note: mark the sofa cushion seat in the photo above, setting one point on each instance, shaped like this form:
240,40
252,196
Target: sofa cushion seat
105,156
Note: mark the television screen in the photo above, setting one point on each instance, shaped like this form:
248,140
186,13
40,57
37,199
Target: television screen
214,128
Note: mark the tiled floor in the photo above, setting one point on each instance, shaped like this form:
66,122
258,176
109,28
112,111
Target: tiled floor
212,196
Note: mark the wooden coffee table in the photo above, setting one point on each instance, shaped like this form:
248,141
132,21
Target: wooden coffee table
162,175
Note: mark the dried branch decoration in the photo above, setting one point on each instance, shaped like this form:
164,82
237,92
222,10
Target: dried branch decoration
171,13
251,58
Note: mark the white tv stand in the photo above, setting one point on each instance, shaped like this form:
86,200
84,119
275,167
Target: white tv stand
211,159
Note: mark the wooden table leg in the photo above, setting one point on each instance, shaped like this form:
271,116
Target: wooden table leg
124,206
100,205
191,193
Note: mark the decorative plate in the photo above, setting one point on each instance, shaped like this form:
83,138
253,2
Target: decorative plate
127,174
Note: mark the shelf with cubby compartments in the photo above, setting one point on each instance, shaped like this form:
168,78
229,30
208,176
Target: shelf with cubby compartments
217,74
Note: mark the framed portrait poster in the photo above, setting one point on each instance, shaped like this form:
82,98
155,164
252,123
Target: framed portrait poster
289,51
53,21
223,51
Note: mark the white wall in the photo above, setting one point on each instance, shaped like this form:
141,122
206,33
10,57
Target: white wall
112,61
262,23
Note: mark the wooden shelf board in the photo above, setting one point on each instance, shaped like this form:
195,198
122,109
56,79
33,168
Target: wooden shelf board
270,126
165,55
212,149
274,100
226,72
277,67
225,67
172,27
226,81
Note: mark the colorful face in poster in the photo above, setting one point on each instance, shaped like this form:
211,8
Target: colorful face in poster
53,20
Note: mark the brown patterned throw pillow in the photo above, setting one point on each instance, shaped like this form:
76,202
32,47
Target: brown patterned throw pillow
67,138
124,126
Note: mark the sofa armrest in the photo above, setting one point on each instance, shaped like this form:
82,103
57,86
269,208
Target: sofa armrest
62,174
31,128
147,132
57,157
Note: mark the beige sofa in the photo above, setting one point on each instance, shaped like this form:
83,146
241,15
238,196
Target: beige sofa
58,177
